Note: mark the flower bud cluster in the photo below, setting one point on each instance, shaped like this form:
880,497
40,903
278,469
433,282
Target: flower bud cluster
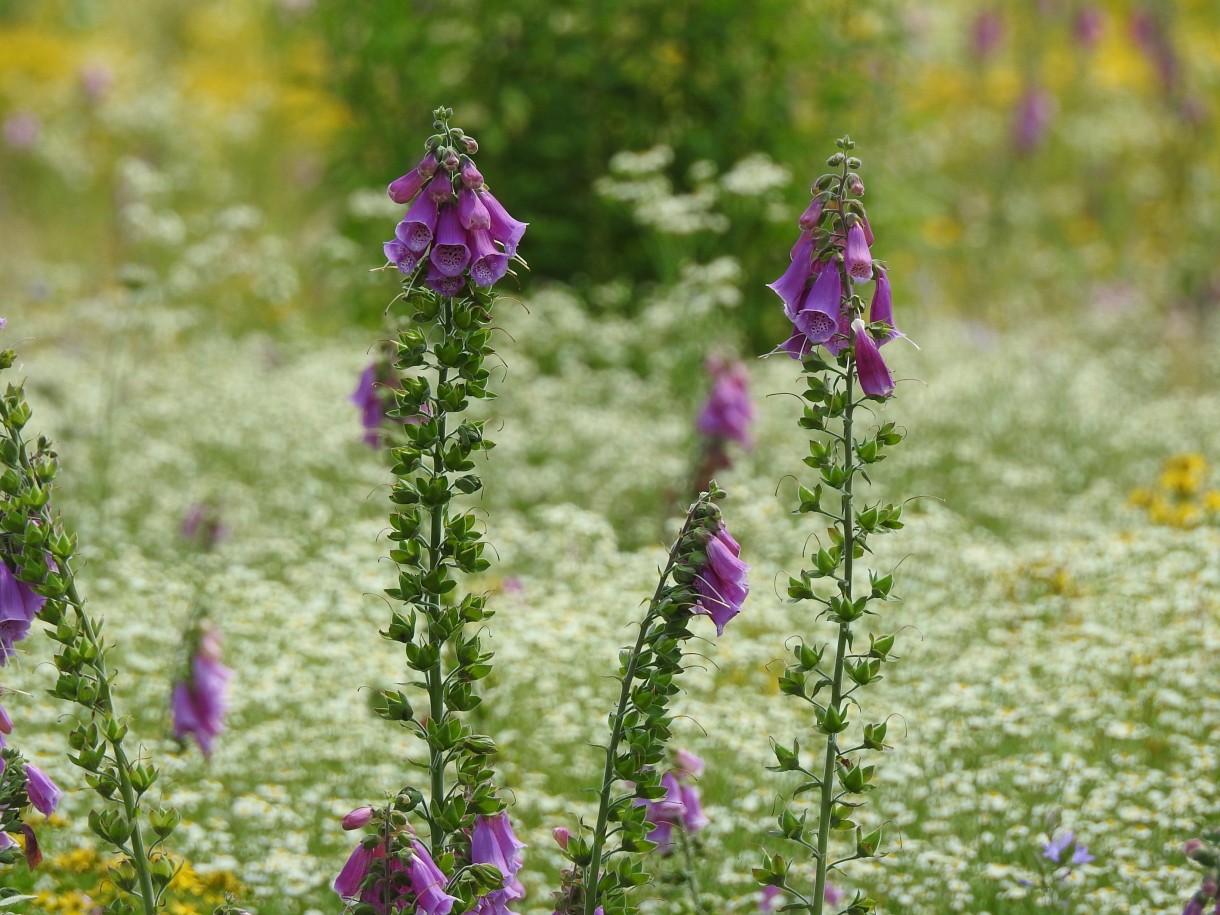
831,257
454,225
36,554
703,577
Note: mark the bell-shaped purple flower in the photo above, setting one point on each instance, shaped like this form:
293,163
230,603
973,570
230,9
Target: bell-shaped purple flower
687,765
857,258
18,607
440,189
450,254
418,228
471,176
401,256
819,314
729,410
793,286
357,867
881,310
428,884
693,817
809,219
368,400
504,229
44,794
405,188
488,263
199,703
441,283
875,380
493,843
472,210
722,582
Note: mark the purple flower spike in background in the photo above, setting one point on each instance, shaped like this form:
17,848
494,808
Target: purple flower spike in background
729,411
1032,119
200,700
368,400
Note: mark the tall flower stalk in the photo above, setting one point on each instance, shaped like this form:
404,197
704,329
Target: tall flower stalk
830,261
41,554
454,242
703,575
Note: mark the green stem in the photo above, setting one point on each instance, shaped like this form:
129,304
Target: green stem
592,873
847,527
435,675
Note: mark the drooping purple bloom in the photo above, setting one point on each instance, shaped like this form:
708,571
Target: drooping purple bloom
504,229
200,702
428,884
809,219
1032,119
471,176
358,818
693,817
397,253
403,189
18,607
44,794
793,286
874,375
418,227
441,284
450,255
368,400
351,877
722,582
472,210
440,189
687,765
858,259
488,263
493,843
881,310
729,410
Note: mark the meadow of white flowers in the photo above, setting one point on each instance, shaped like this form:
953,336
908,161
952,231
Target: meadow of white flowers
1057,648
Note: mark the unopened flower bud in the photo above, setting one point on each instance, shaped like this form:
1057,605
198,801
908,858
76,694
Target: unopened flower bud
471,177
561,835
856,186
358,818
449,159
853,162
835,160
471,146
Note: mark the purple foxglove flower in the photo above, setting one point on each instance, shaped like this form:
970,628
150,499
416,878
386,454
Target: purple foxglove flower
404,189
349,881
881,310
471,176
986,33
798,345
440,190
693,817
562,835
793,285
450,254
472,210
368,400
18,607
441,284
833,895
1032,119
722,582
868,230
687,764
768,899
488,263
199,705
1089,24
428,884
728,411
397,253
504,229
44,794
417,229
819,313
358,818
809,219
875,380
858,259
493,843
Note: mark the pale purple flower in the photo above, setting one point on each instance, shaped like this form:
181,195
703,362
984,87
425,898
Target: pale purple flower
687,765
426,894
729,410
493,843
857,258
769,898
443,284
693,817
22,130
419,225
450,254
44,794
440,189
1032,119
504,229
368,400
986,33
833,895
562,835
1090,22
428,884
18,607
875,380
358,818
1059,843
881,310
809,219
722,582
356,868
1193,907
201,525
472,210
488,263
200,702
404,189
1080,855
402,257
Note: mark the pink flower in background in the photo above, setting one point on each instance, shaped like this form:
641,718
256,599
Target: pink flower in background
1032,119
22,130
200,701
729,410
722,582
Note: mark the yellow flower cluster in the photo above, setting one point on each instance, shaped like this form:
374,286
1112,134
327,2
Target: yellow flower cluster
1180,498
